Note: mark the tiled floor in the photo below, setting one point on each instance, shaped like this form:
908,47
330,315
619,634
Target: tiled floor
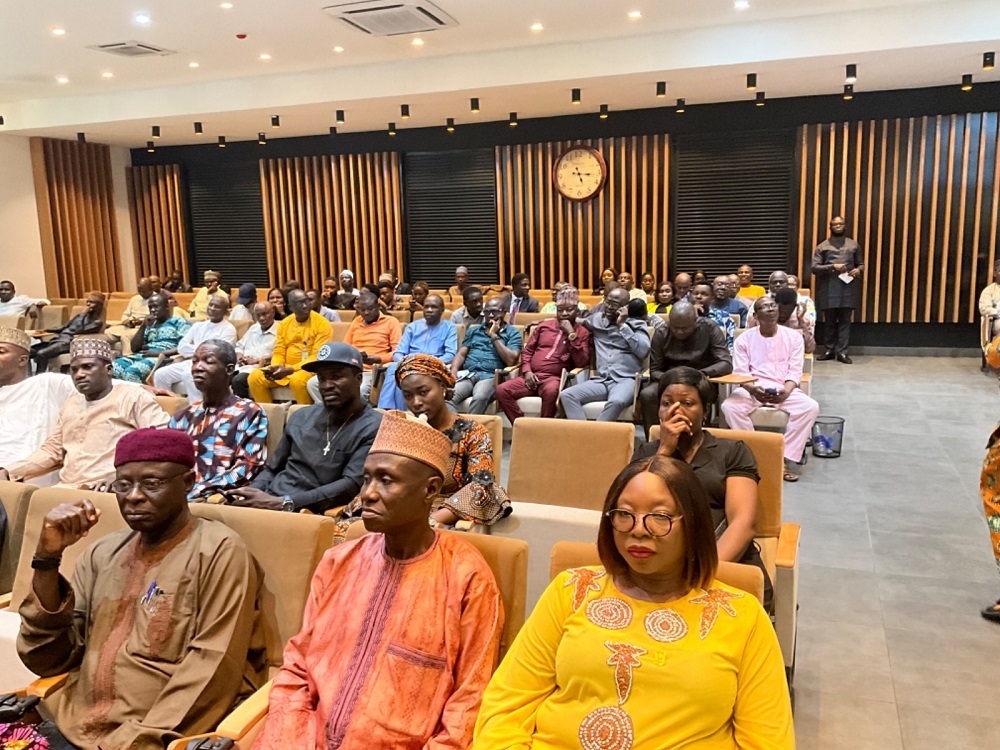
896,564
892,652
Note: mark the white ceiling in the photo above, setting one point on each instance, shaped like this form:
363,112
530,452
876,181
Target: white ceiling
703,48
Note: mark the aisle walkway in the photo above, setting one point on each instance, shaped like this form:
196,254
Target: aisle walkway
896,562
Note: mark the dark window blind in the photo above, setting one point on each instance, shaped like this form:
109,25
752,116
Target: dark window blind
451,216
227,222
732,202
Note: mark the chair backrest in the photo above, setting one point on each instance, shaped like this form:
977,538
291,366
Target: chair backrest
508,559
184,299
115,307
403,316
347,316
527,319
292,408
51,316
566,555
171,404
288,547
768,448
566,462
494,424
276,415
15,497
241,326
13,321
340,330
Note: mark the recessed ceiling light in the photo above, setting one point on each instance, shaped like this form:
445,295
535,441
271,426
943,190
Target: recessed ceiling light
107,74
418,42
634,15
226,6
62,79
742,5
537,27
265,57
338,48
193,65
143,19
57,31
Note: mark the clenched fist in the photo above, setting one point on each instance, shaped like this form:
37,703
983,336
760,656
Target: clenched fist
65,525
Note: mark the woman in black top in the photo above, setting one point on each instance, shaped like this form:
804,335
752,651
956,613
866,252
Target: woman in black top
726,468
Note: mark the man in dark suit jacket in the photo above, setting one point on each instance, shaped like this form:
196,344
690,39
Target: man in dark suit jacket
517,300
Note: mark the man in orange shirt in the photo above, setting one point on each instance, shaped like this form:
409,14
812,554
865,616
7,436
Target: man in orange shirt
375,335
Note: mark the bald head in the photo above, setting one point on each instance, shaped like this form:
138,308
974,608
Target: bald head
682,284
682,320
777,280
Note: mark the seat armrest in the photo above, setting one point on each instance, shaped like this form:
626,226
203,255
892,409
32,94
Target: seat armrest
786,592
503,373
43,687
247,715
182,743
5,600
787,554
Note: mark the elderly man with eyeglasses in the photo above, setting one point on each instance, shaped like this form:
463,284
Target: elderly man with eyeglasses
158,625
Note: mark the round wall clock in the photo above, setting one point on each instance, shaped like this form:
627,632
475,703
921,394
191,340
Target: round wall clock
579,173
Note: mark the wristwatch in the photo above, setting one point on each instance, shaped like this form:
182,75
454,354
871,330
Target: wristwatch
287,505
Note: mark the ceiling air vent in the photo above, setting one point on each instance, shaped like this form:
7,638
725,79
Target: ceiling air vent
131,49
386,18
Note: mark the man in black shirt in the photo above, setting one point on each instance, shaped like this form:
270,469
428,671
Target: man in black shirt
688,340
320,461
835,257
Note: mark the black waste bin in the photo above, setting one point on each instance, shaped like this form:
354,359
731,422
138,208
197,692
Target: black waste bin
827,437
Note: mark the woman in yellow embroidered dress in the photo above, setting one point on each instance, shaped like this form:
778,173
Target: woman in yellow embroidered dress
648,650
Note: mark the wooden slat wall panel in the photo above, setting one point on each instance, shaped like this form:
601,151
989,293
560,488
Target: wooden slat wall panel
75,195
156,208
921,195
323,214
552,239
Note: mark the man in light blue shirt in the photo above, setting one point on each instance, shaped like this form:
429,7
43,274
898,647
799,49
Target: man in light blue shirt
431,335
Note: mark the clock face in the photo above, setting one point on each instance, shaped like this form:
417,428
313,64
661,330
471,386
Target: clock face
580,173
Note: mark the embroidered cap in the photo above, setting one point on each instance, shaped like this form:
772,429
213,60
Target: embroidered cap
335,353
91,347
15,337
568,295
155,444
412,438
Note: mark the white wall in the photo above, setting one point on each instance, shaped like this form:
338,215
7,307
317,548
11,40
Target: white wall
20,239
121,158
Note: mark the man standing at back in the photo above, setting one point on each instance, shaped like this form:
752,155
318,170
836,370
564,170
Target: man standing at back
837,265
402,628
158,627
621,344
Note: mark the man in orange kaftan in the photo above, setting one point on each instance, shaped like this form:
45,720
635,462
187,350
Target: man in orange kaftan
402,628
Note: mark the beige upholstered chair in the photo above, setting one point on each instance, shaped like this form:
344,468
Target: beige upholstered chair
276,414
172,404
15,497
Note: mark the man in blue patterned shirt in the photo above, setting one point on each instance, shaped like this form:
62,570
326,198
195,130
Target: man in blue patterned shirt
229,432
701,298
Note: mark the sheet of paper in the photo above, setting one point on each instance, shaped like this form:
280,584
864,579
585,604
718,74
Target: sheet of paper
846,278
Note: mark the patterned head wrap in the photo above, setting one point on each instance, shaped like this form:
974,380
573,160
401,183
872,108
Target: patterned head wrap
90,347
425,364
568,295
412,438
15,337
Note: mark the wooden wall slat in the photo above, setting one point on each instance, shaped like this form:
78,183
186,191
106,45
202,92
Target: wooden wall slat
159,235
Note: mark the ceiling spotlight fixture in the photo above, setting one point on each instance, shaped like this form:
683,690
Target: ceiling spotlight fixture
392,128
634,15
760,99
143,19
576,96
848,92
156,131
62,79
680,107
537,27
418,42
338,49
265,57
275,121
150,147
751,81
262,139
193,65
226,6
967,82
474,104
107,74
198,129
450,125
404,111
333,130
340,117
604,112
852,74
81,137
513,120
741,5
57,31
222,141
661,89
989,60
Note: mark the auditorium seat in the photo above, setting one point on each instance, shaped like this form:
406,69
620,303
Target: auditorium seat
276,415
15,497
340,330
494,424
51,316
527,319
172,404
